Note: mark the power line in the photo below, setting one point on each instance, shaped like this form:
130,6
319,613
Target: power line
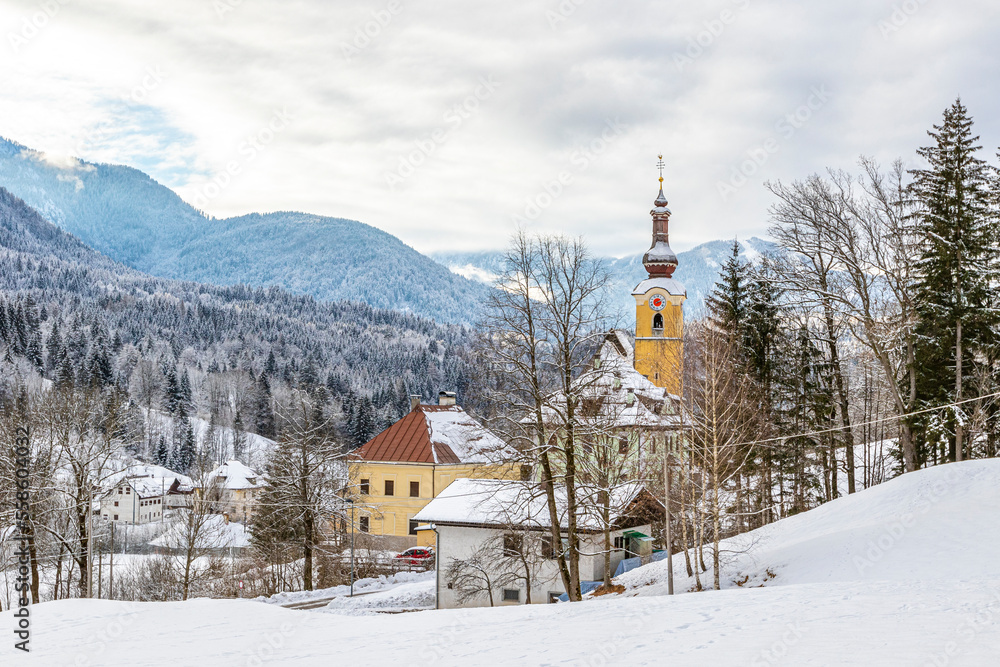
868,423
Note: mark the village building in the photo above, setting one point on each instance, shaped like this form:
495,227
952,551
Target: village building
134,500
499,531
179,489
396,473
630,408
232,489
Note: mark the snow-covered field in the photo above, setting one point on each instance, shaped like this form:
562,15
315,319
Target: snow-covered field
901,574
396,592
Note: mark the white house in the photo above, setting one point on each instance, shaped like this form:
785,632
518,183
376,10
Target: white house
502,528
232,489
179,488
135,500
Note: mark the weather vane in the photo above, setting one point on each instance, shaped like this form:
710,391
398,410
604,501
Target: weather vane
660,165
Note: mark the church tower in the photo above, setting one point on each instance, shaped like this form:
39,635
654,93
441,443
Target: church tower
659,318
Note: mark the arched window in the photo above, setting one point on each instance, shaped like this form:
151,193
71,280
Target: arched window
658,322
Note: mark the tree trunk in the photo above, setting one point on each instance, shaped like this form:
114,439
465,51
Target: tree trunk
838,378
959,428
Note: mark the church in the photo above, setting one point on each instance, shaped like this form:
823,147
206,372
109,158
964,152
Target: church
659,301
632,391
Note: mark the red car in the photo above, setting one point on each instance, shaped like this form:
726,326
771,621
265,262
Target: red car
417,555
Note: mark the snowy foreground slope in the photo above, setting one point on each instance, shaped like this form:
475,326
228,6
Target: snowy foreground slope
940,523
930,597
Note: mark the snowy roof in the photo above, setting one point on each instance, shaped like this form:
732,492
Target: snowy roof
150,471
145,487
669,285
497,502
440,434
233,475
615,395
214,534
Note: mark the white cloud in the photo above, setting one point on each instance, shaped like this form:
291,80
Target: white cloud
222,79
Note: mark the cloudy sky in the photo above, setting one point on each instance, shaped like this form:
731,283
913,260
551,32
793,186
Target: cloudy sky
447,123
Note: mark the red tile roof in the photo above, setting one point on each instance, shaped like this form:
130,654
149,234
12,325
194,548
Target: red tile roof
409,441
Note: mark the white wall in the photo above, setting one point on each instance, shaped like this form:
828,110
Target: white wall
131,509
458,542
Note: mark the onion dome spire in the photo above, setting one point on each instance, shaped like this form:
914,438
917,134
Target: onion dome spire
660,260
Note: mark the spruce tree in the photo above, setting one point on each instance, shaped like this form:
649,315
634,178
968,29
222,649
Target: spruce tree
727,302
162,455
957,273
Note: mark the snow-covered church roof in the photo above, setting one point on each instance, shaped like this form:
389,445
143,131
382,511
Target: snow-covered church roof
615,395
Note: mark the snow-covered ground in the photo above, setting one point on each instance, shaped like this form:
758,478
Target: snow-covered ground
396,592
901,574
935,524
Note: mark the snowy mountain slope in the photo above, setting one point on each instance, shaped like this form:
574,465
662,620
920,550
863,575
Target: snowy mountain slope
937,524
65,276
697,269
128,216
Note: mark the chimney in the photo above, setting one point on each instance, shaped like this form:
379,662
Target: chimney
446,398
414,401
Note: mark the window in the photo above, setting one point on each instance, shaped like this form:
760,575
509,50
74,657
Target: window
512,544
413,526
128,491
116,517
547,551
554,596
363,524
619,542
623,445
390,487
657,322
119,492
512,595
525,473
414,489
116,503
364,487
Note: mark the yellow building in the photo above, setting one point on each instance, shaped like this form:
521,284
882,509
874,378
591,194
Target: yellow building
396,473
659,300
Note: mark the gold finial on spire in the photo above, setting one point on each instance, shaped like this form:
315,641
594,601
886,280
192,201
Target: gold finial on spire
660,165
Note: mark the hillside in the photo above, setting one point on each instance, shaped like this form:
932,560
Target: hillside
114,314
131,218
697,269
930,598
935,524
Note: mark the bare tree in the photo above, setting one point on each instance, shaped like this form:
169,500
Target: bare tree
543,322
724,412
473,577
861,230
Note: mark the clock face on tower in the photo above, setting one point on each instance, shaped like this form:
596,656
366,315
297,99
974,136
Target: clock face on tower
657,302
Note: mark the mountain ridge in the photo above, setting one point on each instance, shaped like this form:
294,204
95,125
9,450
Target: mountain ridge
124,213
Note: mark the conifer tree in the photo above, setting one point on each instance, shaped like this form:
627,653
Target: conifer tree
957,273
727,302
162,455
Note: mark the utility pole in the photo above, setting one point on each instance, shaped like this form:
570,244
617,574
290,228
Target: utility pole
666,494
352,547
111,565
90,540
